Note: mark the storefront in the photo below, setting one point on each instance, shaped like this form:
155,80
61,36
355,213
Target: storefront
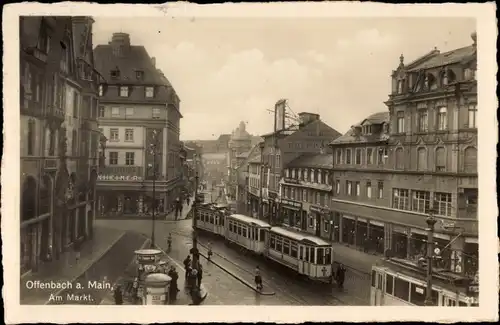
375,237
348,229
291,213
321,216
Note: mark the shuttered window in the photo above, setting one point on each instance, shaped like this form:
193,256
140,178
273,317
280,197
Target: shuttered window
470,159
399,158
422,159
440,159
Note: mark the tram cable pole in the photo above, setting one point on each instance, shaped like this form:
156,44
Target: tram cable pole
431,221
153,205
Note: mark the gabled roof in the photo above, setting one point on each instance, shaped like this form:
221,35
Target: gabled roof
312,160
443,59
350,137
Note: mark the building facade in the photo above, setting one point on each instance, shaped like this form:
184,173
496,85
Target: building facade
429,165
139,114
59,138
311,136
239,145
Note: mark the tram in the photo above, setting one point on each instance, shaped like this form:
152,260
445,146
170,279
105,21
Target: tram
308,255
211,218
398,282
247,232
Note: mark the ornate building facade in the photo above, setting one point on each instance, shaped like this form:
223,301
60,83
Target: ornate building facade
59,137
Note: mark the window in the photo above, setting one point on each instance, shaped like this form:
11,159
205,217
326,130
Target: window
358,189
278,160
74,143
129,134
470,160
348,156
64,63
286,247
293,250
156,113
443,202
358,156
401,289
369,158
469,74
115,74
472,110
421,201
124,91
399,158
421,159
400,199
75,104
101,111
129,111
400,127
440,159
113,135
115,111
422,121
348,187
293,173
369,190
389,284
339,156
101,90
380,190
113,158
31,137
337,186
441,119
139,75
287,173
150,92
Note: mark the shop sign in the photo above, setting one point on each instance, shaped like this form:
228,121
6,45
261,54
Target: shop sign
291,181
146,259
119,178
319,209
291,203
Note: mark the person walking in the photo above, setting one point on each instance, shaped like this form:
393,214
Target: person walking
341,276
199,275
118,295
258,278
187,266
173,284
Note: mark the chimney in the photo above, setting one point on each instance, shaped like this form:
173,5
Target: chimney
120,42
153,60
306,118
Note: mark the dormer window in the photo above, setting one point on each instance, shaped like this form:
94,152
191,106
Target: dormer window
469,74
115,74
123,91
139,75
150,92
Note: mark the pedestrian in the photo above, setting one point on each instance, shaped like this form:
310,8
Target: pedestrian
258,278
118,295
199,274
193,278
209,247
341,276
187,265
173,284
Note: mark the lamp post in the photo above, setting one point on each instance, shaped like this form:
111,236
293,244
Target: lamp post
194,249
153,151
431,221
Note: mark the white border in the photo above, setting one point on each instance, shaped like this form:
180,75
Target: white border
486,29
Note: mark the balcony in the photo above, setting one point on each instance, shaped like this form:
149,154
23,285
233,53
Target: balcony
55,113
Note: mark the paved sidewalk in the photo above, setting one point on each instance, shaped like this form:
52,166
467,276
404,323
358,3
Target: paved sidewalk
66,268
355,259
185,211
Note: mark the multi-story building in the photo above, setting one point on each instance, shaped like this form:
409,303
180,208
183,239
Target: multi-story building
279,148
427,165
214,166
239,144
139,115
243,195
59,139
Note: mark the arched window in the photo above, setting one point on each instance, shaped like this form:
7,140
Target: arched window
440,159
399,158
421,159
470,160
31,137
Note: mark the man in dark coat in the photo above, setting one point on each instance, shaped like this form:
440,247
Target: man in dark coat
173,284
187,266
341,276
199,275
117,294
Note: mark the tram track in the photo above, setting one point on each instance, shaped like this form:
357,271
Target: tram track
278,280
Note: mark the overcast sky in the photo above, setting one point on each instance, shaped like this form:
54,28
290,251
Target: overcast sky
230,70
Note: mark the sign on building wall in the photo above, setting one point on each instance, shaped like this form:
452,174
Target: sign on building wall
119,178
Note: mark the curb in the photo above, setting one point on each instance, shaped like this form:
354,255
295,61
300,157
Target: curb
58,292
238,278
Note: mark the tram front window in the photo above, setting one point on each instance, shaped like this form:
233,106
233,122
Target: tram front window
320,259
328,256
262,235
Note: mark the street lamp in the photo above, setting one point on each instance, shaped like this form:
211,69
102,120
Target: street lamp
431,221
153,146
194,249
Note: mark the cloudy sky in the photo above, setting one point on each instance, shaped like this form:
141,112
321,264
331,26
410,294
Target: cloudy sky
228,70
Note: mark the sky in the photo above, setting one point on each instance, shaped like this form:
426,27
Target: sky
227,70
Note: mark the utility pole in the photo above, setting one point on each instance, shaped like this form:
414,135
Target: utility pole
261,203
431,221
194,250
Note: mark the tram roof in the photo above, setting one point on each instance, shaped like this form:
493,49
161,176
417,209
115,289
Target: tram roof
247,219
299,236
